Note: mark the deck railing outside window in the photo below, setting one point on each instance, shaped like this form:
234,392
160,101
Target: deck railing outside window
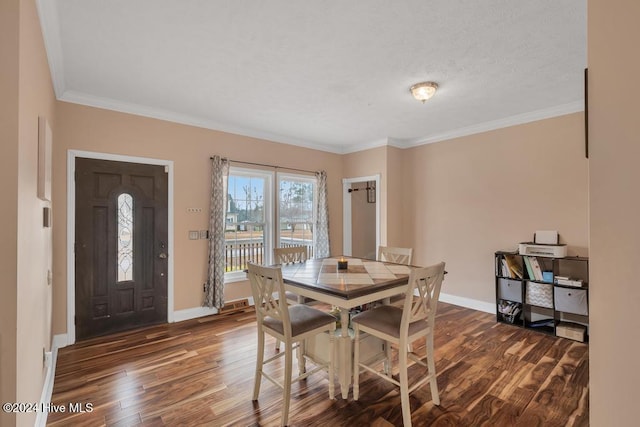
238,254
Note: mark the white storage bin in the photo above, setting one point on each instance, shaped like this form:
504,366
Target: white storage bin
571,301
510,290
539,294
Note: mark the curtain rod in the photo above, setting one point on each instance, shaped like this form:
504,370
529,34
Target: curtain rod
266,165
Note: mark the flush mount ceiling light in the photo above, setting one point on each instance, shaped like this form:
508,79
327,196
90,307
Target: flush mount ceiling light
423,91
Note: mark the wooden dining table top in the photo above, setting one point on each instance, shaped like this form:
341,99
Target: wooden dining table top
362,276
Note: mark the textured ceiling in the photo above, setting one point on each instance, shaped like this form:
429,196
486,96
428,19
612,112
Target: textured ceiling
332,74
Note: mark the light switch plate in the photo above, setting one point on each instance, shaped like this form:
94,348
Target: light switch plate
194,235
203,234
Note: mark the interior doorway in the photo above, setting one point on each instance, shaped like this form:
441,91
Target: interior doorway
361,216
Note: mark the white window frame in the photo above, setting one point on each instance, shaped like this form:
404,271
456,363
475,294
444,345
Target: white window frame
236,276
301,178
271,209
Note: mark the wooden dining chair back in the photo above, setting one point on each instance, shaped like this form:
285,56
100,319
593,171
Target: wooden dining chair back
290,324
401,326
395,254
290,255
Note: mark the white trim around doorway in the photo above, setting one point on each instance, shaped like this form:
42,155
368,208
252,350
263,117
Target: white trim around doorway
346,211
71,229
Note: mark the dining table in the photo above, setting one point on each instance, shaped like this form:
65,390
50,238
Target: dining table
346,283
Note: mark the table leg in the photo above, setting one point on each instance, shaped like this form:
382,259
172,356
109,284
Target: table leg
345,356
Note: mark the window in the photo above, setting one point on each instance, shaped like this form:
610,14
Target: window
248,228
296,208
125,237
259,217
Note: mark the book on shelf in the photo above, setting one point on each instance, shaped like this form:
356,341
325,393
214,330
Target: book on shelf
504,267
504,272
527,264
535,266
513,266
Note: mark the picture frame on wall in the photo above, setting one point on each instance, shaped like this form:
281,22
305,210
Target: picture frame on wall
44,160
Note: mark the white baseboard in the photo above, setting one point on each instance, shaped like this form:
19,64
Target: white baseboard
58,341
193,313
487,307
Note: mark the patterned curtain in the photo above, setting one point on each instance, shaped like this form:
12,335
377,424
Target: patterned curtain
214,295
322,218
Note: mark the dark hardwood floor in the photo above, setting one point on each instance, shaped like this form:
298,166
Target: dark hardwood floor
200,372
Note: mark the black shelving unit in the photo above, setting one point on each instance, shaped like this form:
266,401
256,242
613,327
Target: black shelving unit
542,305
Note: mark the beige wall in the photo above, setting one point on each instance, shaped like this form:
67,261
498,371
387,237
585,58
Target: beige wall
397,196
468,197
9,51
614,150
25,252
91,129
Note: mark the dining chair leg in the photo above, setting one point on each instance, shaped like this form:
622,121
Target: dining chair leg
301,362
332,361
356,363
404,384
431,365
386,364
286,394
259,361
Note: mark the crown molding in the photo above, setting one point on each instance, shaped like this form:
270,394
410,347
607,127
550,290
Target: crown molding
533,116
171,116
81,98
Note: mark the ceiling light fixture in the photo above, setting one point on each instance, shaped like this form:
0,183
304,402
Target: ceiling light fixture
423,91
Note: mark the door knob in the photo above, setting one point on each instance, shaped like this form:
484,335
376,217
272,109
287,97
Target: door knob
162,255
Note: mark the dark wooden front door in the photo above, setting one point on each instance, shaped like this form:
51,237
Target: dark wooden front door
121,246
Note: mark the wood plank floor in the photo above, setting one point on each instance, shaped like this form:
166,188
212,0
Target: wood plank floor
200,372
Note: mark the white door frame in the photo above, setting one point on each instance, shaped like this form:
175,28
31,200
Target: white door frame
71,228
346,211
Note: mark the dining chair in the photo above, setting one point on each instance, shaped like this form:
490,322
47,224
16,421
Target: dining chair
395,254
401,326
290,324
290,255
